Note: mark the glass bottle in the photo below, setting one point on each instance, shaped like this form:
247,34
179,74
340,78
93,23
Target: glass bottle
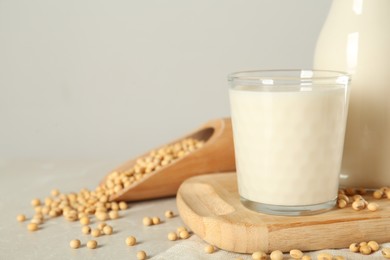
356,38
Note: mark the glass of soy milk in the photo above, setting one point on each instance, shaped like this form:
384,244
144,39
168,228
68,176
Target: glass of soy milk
288,130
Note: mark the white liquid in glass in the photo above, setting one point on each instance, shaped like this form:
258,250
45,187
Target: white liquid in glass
288,144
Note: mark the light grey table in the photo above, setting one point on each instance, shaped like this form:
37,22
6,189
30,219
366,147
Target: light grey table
23,180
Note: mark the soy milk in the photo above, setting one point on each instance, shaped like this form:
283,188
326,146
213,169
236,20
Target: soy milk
288,143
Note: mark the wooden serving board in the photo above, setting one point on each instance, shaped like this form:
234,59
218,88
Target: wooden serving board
210,206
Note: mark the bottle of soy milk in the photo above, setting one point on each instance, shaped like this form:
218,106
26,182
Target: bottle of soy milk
356,39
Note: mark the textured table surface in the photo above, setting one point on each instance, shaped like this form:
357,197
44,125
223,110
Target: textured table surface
23,180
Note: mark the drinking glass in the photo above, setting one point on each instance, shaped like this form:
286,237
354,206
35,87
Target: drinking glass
288,129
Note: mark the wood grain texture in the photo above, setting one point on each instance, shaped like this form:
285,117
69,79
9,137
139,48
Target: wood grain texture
211,208
216,155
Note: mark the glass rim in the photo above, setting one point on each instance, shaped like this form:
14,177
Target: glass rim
283,75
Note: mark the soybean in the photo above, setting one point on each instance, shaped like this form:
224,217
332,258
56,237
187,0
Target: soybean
86,230
107,230
386,252
209,249
92,244
113,214
276,255
169,214
342,203
172,236
131,241
55,192
296,254
156,220
324,256
259,255
75,243
373,245
32,227
378,194
35,202
21,217
147,221
84,220
365,250
141,255
95,232
372,206
184,234
358,205
179,229
354,247
122,205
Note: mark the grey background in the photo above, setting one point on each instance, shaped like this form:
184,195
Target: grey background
113,79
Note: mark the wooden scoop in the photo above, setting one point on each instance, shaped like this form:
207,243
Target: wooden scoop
216,155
